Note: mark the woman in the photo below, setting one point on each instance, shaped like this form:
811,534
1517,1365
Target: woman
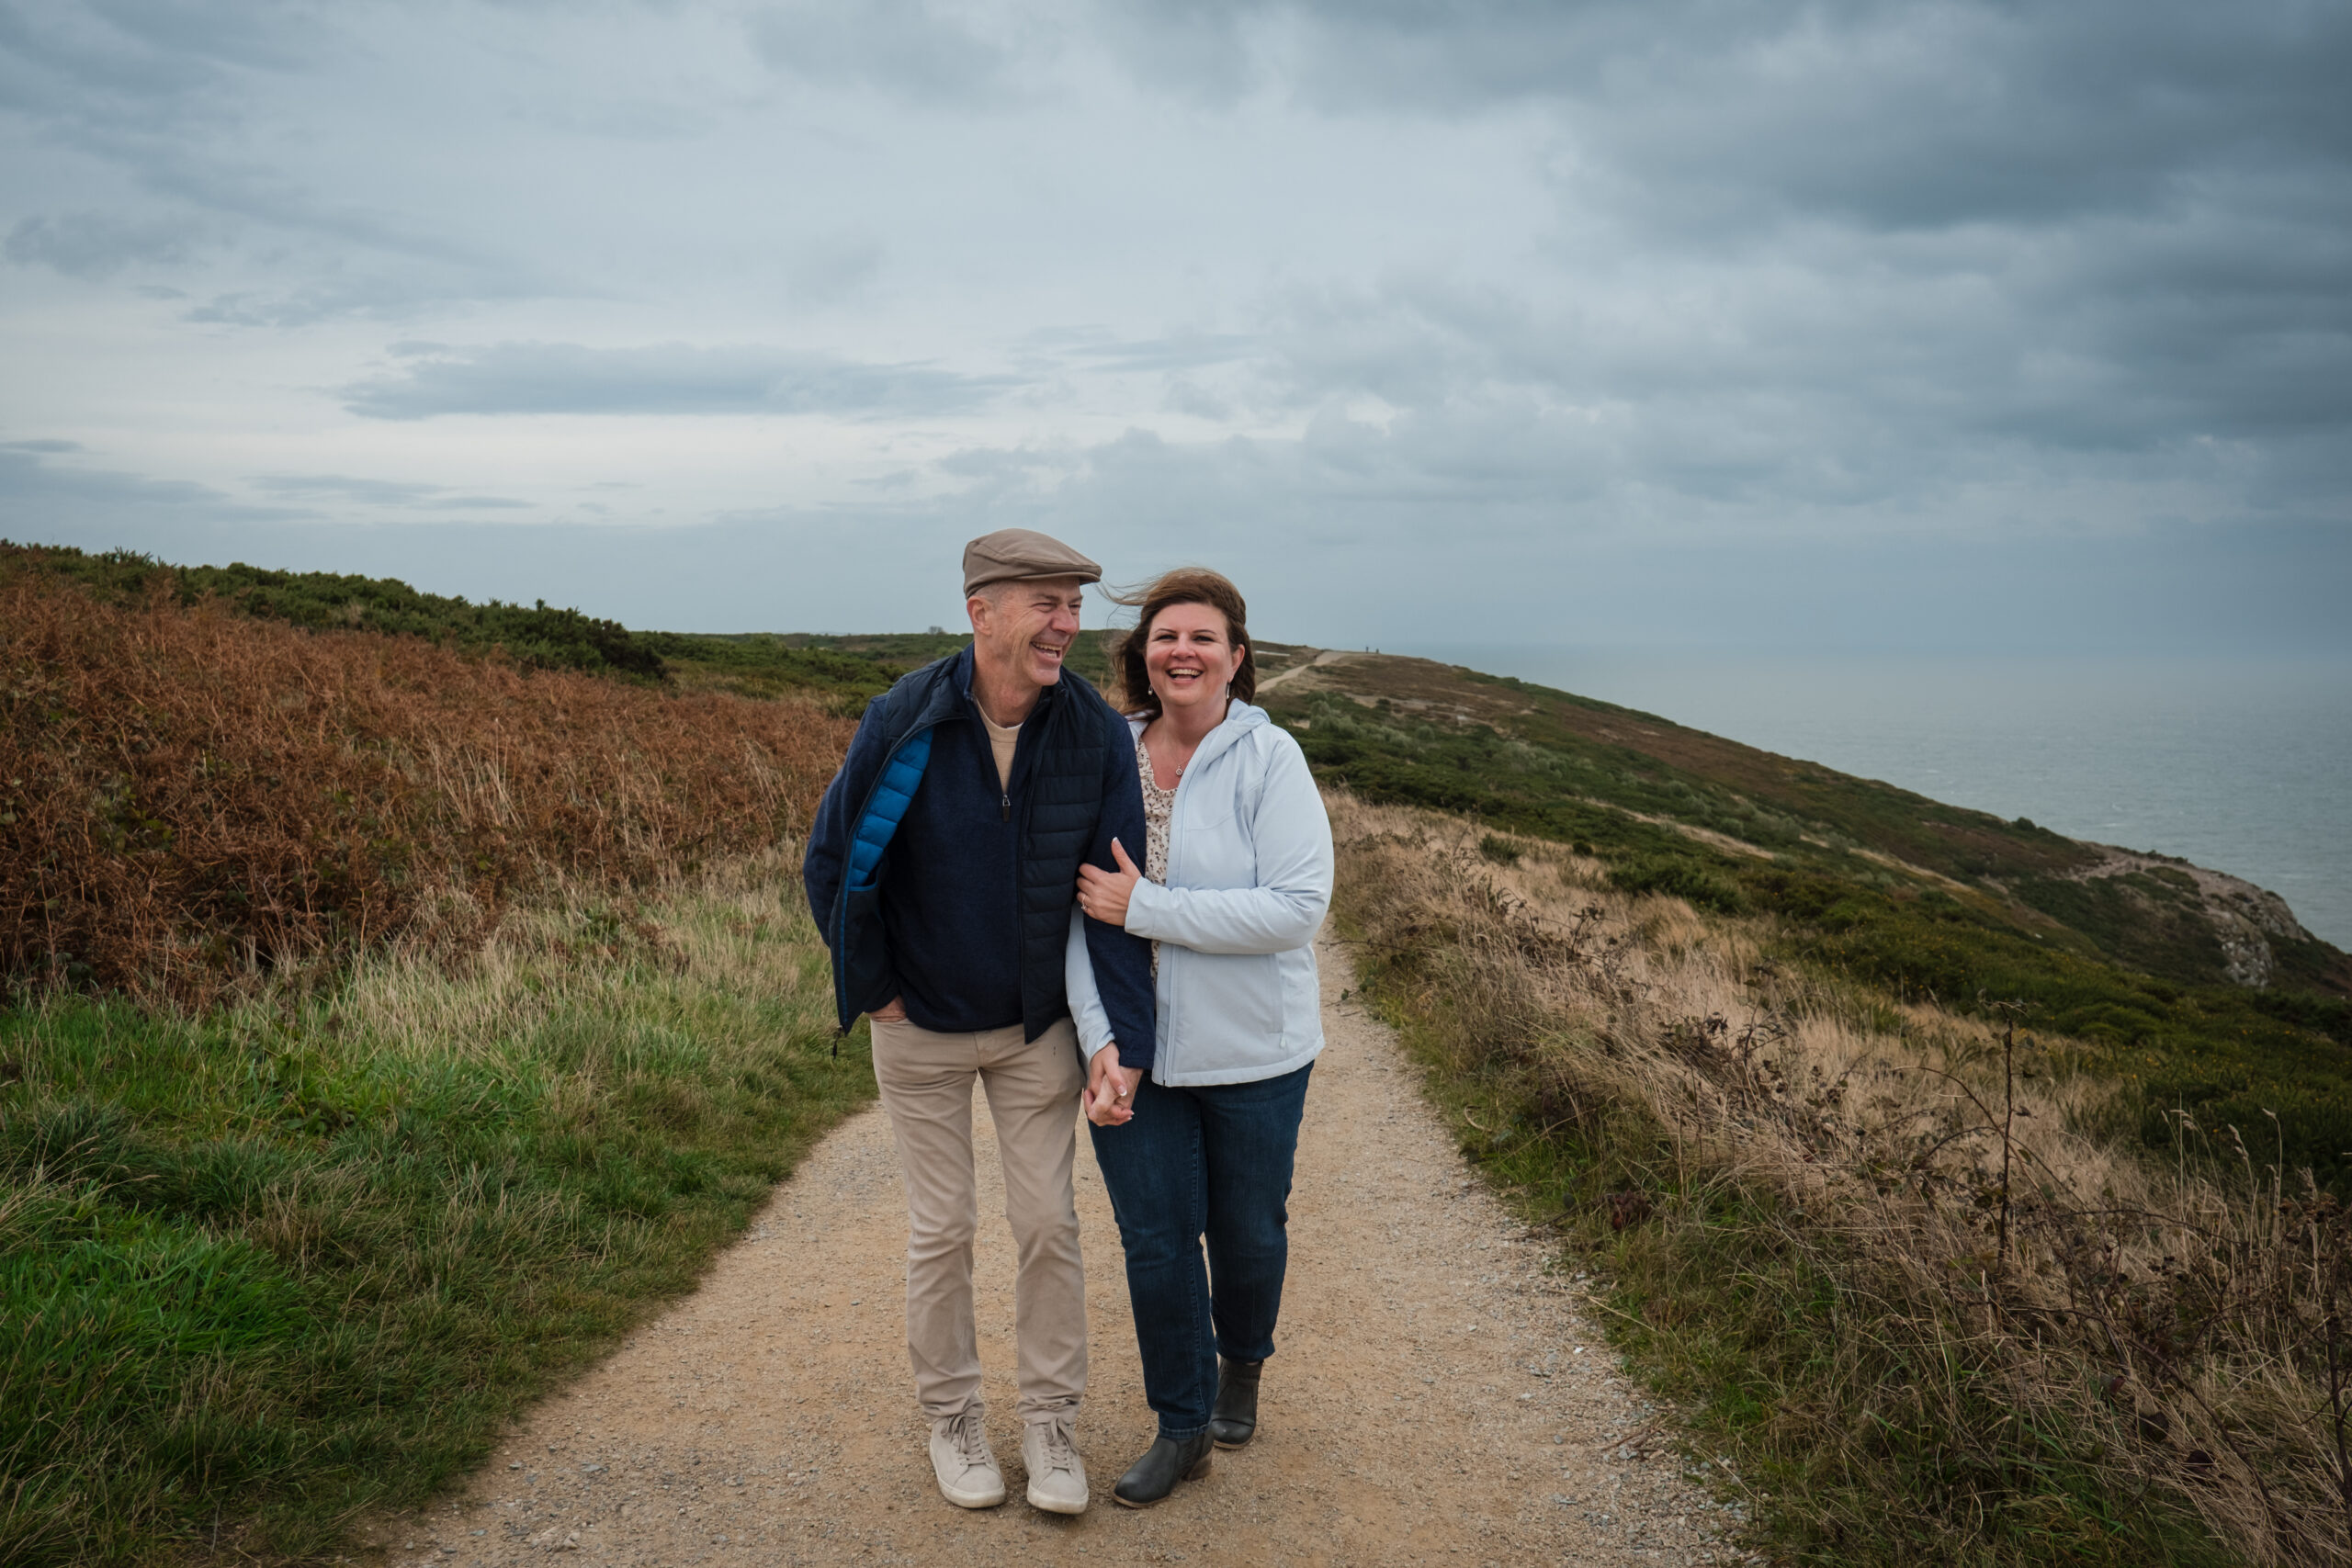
1236,878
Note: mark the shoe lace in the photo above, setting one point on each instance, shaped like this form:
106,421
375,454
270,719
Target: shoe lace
970,1436
1060,1452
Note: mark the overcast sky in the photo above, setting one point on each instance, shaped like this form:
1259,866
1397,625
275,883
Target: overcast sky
1864,325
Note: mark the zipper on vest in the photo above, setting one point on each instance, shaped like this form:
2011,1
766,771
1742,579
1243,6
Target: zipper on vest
1004,806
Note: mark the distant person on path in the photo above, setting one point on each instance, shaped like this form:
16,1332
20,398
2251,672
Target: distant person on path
940,869
1234,881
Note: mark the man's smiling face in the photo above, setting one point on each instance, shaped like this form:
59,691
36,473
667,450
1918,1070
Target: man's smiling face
1024,629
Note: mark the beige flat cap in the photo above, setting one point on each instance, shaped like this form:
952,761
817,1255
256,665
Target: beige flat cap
1014,554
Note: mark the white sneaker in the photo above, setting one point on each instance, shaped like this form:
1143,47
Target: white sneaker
1057,1475
960,1458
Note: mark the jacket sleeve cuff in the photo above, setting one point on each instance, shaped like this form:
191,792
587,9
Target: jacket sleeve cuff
1146,901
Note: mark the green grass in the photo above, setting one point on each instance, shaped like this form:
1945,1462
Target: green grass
269,1268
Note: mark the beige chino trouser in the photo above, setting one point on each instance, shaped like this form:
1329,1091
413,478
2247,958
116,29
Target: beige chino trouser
1033,1087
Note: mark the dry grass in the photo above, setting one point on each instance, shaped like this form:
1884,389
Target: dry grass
187,796
2000,1283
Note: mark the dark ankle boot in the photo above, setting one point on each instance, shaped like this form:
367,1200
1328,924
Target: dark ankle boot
1236,1421
1163,1464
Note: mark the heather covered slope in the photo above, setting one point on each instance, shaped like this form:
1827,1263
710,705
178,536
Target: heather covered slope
2144,960
1537,755
536,637
193,795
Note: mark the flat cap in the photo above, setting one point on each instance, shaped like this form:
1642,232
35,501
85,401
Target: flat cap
1013,555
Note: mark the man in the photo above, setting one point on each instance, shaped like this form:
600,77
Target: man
942,869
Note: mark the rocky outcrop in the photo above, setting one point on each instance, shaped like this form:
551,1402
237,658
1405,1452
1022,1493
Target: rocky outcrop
2245,920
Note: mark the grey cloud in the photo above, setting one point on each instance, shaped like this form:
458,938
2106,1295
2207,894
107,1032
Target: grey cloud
1212,50
1184,396
60,501
164,94
387,492
662,378
909,48
47,447
380,291
98,245
622,119
1908,116
1184,352
998,463
344,258
2136,339
111,69
271,35
826,270
383,493
1895,113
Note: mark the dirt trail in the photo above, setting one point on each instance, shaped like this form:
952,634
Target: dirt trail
1322,658
1438,1397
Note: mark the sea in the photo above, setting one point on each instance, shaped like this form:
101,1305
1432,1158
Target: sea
2244,765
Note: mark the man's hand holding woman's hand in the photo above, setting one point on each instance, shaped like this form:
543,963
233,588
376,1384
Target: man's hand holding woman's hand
1109,1098
1104,894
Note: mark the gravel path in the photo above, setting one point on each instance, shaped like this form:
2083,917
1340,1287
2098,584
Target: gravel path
1438,1396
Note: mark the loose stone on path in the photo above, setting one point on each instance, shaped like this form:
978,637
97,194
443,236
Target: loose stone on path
1436,1398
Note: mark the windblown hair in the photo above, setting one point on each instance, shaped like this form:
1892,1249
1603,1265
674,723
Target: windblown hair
1185,585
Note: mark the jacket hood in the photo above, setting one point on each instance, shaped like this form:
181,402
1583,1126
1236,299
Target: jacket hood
1241,718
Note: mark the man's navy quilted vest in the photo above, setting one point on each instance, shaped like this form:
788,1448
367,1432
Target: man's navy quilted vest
1061,801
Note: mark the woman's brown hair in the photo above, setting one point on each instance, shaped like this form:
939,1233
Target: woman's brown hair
1185,585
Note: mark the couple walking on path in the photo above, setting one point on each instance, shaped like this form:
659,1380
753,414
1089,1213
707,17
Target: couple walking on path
974,870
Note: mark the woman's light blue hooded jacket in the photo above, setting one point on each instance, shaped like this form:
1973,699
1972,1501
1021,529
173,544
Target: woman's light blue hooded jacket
1249,883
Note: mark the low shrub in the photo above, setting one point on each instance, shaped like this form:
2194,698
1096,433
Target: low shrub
1681,877
1500,849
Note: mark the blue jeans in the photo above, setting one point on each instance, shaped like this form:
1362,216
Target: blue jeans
1213,1161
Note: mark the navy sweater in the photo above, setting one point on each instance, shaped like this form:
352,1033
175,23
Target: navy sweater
950,904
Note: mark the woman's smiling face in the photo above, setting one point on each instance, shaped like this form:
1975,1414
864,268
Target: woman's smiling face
1189,657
